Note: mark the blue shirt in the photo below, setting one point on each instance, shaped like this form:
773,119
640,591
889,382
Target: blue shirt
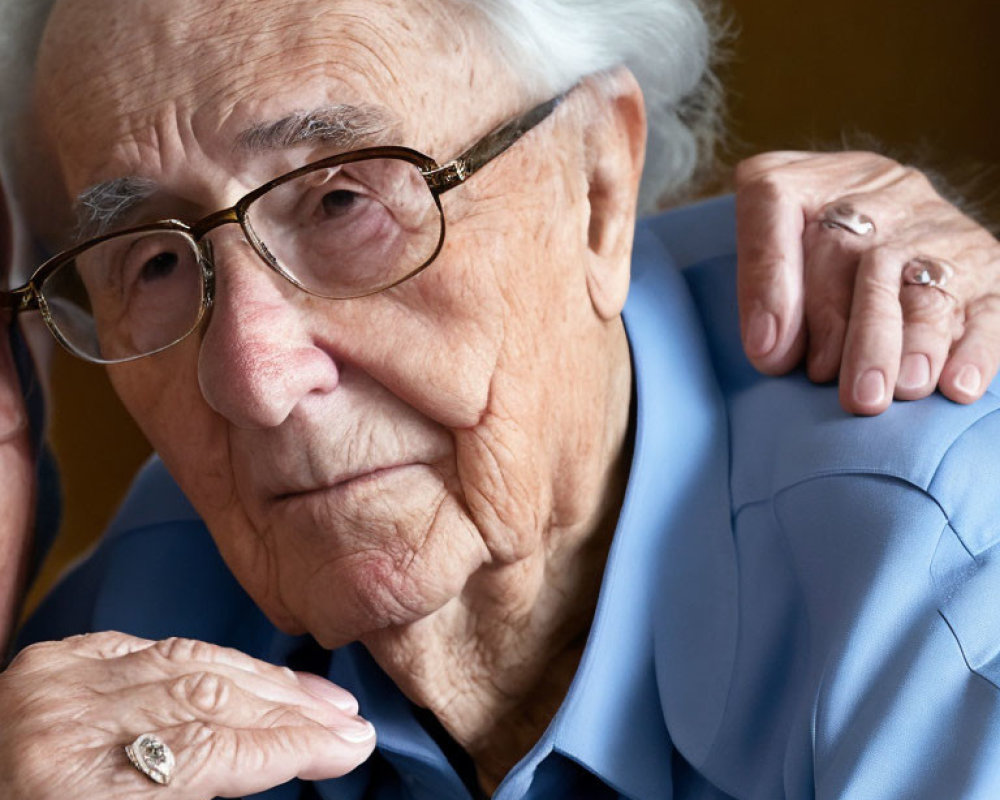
797,603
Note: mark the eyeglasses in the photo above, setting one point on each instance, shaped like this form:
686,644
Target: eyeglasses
343,227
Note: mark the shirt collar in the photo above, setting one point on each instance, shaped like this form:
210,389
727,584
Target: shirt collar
611,721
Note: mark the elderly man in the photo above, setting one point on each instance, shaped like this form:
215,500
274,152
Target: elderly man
584,557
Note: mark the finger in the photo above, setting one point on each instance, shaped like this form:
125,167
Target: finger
873,343
174,654
226,762
928,332
170,657
769,256
177,656
213,698
975,359
831,259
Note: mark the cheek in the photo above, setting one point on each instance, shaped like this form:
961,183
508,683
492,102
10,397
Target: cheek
493,295
161,393
438,339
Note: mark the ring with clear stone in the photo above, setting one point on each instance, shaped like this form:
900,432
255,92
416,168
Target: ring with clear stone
150,755
844,217
926,271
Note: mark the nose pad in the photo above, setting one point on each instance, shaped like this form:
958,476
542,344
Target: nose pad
259,358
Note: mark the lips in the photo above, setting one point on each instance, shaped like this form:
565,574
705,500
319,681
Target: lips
340,482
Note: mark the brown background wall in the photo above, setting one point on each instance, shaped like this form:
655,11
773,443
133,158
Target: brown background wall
919,75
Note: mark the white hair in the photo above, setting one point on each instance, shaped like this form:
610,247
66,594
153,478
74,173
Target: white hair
668,44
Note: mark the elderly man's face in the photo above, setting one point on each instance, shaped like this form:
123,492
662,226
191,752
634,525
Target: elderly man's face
358,462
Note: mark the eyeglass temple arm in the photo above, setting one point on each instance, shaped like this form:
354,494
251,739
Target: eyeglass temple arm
24,298
459,169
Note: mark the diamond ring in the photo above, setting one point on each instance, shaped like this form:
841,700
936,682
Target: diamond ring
151,756
924,271
843,216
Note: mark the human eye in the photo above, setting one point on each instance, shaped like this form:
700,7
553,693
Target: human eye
140,290
150,260
337,196
157,267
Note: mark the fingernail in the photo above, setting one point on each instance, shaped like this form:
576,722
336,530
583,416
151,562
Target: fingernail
869,389
762,333
355,730
914,372
322,689
969,379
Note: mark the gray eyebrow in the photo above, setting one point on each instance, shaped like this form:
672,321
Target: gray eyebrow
106,206
341,127
102,207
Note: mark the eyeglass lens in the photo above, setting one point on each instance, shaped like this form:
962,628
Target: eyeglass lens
340,231
127,296
350,229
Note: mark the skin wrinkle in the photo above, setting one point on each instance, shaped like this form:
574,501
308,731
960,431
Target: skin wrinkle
107,205
491,365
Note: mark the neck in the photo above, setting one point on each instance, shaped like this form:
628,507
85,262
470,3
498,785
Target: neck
495,663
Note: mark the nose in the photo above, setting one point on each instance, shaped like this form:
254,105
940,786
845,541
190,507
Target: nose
259,359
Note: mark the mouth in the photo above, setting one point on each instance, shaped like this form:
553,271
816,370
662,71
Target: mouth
343,483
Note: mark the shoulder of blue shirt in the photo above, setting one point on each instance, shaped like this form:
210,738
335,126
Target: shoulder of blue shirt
787,429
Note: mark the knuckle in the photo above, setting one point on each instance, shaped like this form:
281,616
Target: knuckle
205,692
284,716
927,305
106,644
762,186
179,650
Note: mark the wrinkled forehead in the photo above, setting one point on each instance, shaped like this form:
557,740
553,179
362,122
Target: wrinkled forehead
117,78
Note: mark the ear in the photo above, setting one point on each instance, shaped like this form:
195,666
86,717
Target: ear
615,147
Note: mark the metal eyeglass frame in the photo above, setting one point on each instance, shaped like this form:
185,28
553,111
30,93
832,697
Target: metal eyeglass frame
439,178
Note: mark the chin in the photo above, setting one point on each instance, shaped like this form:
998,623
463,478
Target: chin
378,552
376,597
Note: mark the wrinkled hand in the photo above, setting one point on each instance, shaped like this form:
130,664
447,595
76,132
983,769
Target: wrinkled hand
838,297
236,725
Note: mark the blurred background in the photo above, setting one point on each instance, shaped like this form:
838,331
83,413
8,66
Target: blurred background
917,76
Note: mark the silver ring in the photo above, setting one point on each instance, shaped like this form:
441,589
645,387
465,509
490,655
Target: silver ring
924,271
150,755
842,216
